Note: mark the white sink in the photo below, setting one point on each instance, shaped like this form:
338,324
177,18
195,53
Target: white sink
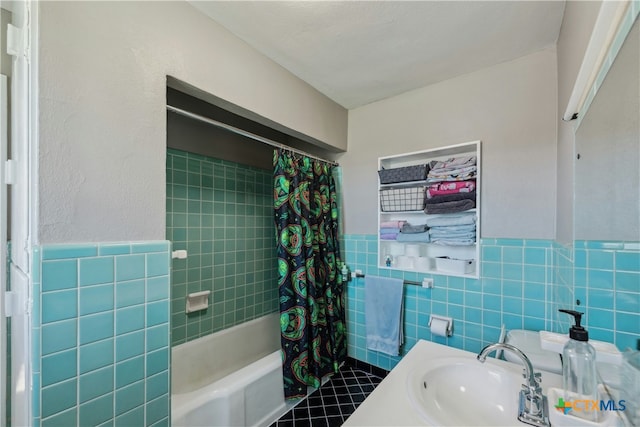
465,392
460,391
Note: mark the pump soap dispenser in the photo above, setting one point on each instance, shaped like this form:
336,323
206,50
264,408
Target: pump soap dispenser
579,378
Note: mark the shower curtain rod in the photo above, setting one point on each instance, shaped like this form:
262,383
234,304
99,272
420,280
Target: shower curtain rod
245,133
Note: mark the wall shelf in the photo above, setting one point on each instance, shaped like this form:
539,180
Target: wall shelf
422,257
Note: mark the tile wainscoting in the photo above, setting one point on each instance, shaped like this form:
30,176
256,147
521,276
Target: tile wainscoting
100,334
522,284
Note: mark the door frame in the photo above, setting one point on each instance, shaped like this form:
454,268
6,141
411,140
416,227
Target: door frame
4,138
24,207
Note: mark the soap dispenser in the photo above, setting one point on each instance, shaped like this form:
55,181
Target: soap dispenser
579,378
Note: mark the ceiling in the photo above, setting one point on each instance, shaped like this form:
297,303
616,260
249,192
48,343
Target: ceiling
358,52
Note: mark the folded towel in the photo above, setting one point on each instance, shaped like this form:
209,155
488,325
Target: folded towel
458,219
450,235
392,224
450,207
450,198
455,187
389,236
453,163
456,171
454,242
414,237
388,230
383,314
418,228
453,177
464,228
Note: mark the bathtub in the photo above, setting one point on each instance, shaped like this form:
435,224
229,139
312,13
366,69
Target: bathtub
230,378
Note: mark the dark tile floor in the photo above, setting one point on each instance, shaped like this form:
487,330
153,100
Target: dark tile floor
331,404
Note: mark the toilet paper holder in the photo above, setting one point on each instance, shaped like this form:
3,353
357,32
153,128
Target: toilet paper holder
448,320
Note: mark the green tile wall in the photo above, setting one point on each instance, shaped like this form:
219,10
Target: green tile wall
222,213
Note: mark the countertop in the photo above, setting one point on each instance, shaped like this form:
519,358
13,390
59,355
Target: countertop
389,404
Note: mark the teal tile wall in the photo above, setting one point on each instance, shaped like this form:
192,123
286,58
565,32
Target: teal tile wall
563,291
522,284
222,213
607,282
101,334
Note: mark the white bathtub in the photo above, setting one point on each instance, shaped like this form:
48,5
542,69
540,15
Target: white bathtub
230,378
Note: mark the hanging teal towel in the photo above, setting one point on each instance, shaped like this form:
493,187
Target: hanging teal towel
383,314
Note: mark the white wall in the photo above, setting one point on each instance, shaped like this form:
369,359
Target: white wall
607,176
103,68
511,107
5,59
577,25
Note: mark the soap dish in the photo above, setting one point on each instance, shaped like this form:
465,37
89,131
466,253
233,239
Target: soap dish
557,417
197,301
605,352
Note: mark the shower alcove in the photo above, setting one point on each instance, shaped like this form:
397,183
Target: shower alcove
219,209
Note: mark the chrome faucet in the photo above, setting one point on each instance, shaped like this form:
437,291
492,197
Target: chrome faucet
533,404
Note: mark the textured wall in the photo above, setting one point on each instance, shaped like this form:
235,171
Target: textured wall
103,69
577,25
5,62
510,107
607,175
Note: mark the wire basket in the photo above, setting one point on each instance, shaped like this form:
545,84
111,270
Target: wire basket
402,199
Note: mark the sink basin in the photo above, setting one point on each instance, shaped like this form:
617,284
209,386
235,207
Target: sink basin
463,391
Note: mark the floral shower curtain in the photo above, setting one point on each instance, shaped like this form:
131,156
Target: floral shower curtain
312,313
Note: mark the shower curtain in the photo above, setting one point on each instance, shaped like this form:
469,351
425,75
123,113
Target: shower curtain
312,313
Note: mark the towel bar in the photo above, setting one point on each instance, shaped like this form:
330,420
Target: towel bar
406,282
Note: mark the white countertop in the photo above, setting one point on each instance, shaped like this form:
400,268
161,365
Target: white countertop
389,404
